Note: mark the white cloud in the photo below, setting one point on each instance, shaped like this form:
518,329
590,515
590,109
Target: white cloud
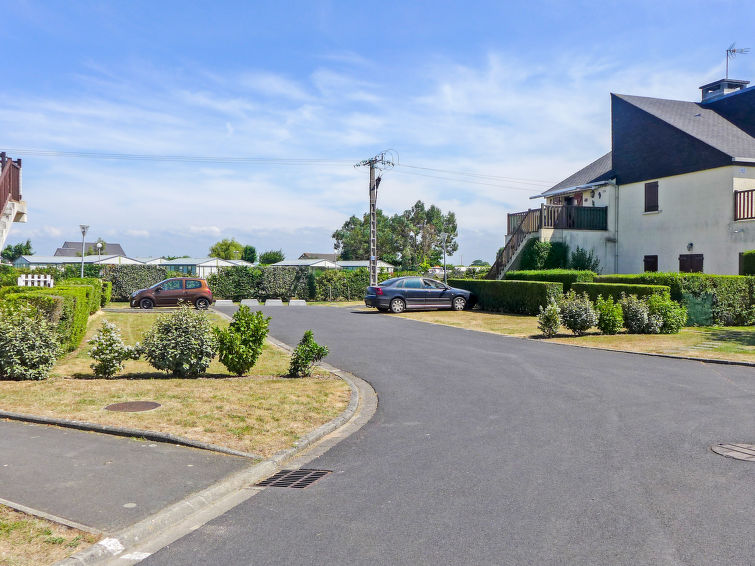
211,230
138,233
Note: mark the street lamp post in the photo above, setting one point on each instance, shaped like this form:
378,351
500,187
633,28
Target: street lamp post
99,251
84,229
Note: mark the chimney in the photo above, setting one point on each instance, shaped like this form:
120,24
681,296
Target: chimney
722,87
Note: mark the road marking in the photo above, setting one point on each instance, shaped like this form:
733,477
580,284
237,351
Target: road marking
112,545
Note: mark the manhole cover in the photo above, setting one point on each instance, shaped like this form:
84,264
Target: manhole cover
132,406
744,452
298,479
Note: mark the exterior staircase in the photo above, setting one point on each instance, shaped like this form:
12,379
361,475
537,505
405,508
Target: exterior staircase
12,207
528,227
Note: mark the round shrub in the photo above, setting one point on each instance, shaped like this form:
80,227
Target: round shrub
182,343
109,352
636,314
577,313
549,319
672,315
241,343
610,315
28,344
306,355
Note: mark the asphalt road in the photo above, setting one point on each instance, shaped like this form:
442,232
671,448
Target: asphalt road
493,450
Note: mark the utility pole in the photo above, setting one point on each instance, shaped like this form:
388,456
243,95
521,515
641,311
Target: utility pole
380,162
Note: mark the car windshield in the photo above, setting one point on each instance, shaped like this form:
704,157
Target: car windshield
156,285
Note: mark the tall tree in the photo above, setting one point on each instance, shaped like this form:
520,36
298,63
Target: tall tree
271,256
249,254
227,249
12,253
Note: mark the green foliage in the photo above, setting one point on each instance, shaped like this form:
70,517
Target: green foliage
564,276
48,306
635,313
236,283
583,260
748,263
672,314
8,275
519,297
538,255
549,319
306,354
733,295
74,271
342,284
109,352
182,343
107,292
284,283
271,256
92,250
479,262
12,253
610,315
28,344
129,278
249,253
95,297
577,313
615,290
240,345
227,249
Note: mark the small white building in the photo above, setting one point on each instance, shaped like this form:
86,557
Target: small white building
352,265
40,261
196,266
313,264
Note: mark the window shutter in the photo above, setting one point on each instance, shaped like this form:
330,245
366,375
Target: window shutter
651,196
651,263
691,263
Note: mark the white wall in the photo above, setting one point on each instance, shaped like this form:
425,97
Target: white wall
695,208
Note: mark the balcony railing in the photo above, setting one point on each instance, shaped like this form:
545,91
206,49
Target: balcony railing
10,180
560,216
744,205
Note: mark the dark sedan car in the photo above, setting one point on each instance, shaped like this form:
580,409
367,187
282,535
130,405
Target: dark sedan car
403,293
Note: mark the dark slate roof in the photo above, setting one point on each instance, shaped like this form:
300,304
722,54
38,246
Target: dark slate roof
599,170
70,249
699,121
310,255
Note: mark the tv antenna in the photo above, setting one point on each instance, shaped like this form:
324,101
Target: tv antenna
732,52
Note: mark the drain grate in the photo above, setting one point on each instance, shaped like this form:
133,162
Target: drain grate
298,479
744,452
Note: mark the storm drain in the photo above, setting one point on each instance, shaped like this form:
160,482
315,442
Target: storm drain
298,479
744,452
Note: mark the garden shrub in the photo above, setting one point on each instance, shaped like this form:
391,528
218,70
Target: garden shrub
28,344
577,313
672,315
544,255
636,315
583,260
284,283
129,278
748,263
549,319
563,276
95,298
306,354
236,283
109,352
49,306
107,293
518,297
240,345
615,290
610,315
181,343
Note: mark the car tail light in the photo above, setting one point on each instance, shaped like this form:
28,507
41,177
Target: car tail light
378,291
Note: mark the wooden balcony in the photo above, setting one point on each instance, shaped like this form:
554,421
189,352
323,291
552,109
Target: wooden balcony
744,205
10,180
559,216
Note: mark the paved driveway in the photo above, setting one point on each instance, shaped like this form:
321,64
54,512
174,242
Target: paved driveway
493,450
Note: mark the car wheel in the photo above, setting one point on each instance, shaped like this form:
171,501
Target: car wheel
202,303
398,306
146,304
459,303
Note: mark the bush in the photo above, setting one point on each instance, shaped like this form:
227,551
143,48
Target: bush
49,306
107,293
236,283
182,343
28,344
95,297
577,313
564,276
615,290
109,352
636,314
240,345
306,355
610,315
583,260
748,263
672,315
518,297
549,319
129,278
284,283
544,255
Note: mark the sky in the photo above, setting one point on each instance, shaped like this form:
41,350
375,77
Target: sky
265,107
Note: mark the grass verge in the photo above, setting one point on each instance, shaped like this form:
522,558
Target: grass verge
30,541
722,343
261,413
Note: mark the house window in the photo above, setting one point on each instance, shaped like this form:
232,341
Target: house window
651,263
691,263
651,197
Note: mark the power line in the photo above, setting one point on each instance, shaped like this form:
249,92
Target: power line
481,176
466,181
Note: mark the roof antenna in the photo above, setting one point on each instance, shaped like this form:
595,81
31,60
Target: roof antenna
731,52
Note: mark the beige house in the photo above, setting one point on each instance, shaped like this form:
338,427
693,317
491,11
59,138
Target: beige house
675,193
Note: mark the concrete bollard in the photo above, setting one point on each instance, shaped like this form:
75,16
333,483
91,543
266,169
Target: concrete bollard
224,303
274,303
297,303
250,302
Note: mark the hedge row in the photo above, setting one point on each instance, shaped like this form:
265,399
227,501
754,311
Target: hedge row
732,297
615,290
748,263
518,297
125,279
563,276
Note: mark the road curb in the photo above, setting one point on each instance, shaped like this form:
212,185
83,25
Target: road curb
172,522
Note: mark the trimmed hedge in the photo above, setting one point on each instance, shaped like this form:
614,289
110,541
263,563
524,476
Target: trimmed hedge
96,295
563,276
518,297
614,290
107,293
49,306
748,263
733,295
126,279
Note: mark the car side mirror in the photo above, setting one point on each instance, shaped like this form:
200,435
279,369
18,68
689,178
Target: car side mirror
158,289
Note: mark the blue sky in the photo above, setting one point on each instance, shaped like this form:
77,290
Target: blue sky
513,94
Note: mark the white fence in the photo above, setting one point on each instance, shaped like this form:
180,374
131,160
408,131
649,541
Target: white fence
32,280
